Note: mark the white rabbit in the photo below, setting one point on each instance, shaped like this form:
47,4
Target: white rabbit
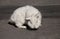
22,14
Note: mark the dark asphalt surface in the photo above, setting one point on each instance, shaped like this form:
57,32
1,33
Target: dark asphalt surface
50,28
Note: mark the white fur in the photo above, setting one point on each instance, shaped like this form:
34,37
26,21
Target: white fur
21,14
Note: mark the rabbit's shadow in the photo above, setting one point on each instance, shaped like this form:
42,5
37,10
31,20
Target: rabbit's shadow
12,23
23,24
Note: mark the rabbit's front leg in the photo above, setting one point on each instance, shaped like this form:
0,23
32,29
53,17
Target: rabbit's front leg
20,25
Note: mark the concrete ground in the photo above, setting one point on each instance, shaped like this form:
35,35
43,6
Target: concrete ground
50,29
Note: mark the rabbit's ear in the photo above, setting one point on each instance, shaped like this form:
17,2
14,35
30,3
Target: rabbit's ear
37,15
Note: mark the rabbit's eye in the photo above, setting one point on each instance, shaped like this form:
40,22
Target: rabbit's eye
37,16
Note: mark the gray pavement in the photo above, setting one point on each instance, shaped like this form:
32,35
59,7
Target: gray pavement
50,28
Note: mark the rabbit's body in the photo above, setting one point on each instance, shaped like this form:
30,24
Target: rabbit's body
30,13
